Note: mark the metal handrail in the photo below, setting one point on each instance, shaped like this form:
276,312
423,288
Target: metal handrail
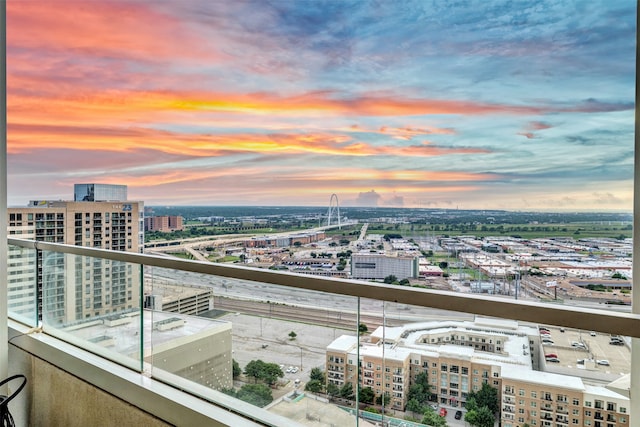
627,324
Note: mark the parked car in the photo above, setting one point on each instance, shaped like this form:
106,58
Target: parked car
458,415
548,355
443,412
603,362
580,361
553,360
616,342
592,333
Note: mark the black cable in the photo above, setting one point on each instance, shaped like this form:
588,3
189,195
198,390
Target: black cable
6,420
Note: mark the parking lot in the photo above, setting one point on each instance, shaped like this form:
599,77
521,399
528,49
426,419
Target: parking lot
596,347
268,340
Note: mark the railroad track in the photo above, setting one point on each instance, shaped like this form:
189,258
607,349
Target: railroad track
305,314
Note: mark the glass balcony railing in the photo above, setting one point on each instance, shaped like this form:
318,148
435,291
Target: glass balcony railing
291,345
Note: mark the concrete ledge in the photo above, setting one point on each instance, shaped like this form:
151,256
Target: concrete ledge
166,403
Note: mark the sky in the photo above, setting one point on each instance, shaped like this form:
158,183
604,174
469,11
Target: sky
478,104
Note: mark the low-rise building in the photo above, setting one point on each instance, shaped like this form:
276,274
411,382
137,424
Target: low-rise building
459,357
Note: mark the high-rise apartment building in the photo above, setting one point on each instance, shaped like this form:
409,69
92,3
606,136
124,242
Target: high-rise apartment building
69,288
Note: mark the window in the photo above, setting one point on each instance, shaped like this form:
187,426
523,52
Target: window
534,395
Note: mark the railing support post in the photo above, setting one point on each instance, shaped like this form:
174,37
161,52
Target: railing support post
4,331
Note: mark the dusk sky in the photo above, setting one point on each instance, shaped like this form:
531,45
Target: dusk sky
523,105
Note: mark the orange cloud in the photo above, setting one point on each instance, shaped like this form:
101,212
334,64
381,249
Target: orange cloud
104,29
24,138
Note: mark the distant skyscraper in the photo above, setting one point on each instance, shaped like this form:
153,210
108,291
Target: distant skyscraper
99,193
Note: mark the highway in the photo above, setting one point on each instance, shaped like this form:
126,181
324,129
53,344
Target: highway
298,304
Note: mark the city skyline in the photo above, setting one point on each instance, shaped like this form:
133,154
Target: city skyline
415,104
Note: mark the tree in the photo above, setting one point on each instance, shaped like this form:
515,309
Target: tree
346,391
292,335
432,419
317,374
486,396
267,372
366,395
414,405
256,394
362,328
314,386
236,369
383,399
333,390
420,389
481,417
390,279
404,282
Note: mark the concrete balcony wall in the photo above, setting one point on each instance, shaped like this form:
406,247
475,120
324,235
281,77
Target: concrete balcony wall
54,397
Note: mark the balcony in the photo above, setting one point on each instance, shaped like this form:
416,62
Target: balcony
102,350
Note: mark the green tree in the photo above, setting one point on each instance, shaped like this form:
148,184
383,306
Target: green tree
256,394
292,335
362,328
420,389
333,390
414,405
236,369
346,391
314,386
432,419
486,396
366,395
317,374
480,417
267,372
383,399
390,279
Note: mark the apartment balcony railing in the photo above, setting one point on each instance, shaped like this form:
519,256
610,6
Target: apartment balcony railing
256,310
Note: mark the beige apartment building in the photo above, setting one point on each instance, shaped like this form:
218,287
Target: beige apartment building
66,288
163,223
460,356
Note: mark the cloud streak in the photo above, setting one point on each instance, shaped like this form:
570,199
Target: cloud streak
289,102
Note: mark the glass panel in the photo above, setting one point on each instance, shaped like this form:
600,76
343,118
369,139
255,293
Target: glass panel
22,285
93,303
271,346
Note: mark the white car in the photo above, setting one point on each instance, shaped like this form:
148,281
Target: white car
603,362
289,369
294,370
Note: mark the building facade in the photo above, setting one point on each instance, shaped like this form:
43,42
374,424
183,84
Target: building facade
67,288
459,357
379,266
163,223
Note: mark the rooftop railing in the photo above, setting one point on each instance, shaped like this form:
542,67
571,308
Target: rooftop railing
228,317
